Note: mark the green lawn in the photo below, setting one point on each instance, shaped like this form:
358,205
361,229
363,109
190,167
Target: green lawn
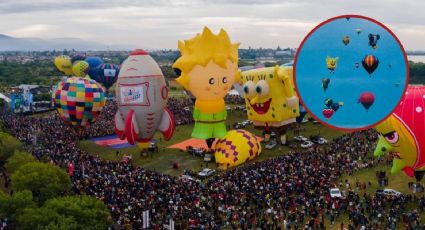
163,161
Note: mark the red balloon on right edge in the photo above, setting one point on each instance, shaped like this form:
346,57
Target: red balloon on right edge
367,99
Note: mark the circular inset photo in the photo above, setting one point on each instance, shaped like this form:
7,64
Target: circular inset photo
350,72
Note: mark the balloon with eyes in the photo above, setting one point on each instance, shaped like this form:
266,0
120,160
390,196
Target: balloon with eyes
402,134
271,101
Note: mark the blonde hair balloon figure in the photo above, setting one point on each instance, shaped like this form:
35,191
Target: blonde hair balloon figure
208,66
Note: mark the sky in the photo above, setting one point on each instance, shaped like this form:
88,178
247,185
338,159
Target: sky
159,24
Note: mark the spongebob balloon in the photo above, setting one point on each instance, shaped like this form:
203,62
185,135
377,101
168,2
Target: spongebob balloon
402,134
331,63
208,66
270,99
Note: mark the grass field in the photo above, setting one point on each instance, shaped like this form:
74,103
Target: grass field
163,161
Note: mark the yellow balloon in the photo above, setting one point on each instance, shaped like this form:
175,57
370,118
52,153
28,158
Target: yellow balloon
237,147
80,68
63,63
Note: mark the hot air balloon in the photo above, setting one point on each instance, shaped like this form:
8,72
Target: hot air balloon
370,63
63,64
328,113
331,104
235,148
78,57
367,99
328,102
107,74
358,31
346,40
325,83
80,68
79,101
357,65
335,106
94,63
402,134
331,63
373,39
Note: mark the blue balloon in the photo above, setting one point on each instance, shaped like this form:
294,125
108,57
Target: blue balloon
94,63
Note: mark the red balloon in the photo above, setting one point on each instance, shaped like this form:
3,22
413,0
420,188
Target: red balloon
367,99
328,113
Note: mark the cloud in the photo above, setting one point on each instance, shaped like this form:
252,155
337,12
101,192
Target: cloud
161,23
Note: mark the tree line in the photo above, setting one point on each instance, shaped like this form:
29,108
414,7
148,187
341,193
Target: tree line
44,73
36,195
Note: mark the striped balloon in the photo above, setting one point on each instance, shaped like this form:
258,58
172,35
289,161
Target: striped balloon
107,74
79,101
370,63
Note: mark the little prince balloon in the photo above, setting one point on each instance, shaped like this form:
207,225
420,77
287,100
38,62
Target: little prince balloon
208,65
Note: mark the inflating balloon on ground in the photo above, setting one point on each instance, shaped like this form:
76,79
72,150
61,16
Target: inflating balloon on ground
142,96
235,148
208,66
79,101
270,98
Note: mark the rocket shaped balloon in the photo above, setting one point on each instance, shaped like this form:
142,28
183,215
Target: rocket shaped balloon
142,98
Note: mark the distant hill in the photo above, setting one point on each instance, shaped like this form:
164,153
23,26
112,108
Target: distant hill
8,43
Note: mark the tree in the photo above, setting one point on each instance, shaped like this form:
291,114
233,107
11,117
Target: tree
8,145
18,160
45,181
12,206
70,212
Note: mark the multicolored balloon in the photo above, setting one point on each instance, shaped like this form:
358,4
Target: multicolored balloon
370,63
64,64
403,136
107,74
79,101
235,148
367,99
80,68
373,39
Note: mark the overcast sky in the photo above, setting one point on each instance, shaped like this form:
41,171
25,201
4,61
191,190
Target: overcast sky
161,23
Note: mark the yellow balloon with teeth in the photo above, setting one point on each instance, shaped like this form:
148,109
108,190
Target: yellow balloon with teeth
270,96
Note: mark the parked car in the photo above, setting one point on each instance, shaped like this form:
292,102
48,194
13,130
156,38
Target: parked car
306,144
335,193
391,192
322,141
206,172
271,144
300,138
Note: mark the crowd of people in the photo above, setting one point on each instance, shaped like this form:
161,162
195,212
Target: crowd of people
290,191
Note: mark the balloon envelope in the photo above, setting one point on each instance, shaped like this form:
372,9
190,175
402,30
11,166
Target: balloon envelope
107,74
80,68
370,63
78,57
63,64
367,99
79,101
94,63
